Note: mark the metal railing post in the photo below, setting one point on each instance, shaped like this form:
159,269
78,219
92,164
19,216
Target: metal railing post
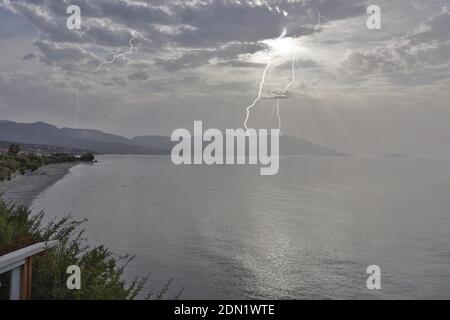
19,264
14,287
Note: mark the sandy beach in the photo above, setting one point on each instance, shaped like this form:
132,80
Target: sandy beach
22,190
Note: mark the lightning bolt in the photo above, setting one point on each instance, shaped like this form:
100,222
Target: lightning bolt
331,23
277,105
261,85
101,65
77,98
117,56
276,110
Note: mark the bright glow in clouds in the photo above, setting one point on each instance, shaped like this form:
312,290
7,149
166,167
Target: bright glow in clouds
284,49
281,49
283,46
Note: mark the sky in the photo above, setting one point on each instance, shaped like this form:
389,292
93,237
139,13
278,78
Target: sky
359,91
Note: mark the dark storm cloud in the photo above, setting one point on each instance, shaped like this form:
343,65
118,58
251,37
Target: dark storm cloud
192,59
220,21
29,56
427,46
166,26
52,53
141,75
241,64
51,26
50,20
403,64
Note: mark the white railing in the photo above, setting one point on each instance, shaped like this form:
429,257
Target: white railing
19,263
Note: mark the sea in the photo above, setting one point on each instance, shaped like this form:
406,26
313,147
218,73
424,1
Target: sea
310,232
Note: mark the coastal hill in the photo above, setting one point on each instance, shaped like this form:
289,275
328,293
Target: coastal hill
41,133
96,141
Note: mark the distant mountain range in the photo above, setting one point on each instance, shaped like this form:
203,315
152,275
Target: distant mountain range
41,133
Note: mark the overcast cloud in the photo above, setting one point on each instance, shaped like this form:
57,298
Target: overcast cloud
360,91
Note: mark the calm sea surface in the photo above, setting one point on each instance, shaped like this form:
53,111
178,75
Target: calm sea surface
310,232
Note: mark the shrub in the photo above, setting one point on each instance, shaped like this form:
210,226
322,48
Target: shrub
102,271
5,174
13,165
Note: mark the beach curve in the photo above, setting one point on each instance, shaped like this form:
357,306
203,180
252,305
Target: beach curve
23,189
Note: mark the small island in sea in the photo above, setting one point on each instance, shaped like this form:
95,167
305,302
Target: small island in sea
396,155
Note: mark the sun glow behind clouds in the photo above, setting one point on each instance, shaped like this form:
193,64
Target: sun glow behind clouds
283,46
283,49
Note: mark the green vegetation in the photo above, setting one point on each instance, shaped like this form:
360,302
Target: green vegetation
101,270
14,149
15,161
89,157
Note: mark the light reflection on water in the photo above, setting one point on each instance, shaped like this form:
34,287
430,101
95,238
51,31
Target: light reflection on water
310,232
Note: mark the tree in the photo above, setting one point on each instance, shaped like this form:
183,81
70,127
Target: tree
14,149
89,157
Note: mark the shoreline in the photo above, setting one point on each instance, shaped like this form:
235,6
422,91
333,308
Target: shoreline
22,190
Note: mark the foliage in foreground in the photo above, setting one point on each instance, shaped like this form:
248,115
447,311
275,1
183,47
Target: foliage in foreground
102,271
